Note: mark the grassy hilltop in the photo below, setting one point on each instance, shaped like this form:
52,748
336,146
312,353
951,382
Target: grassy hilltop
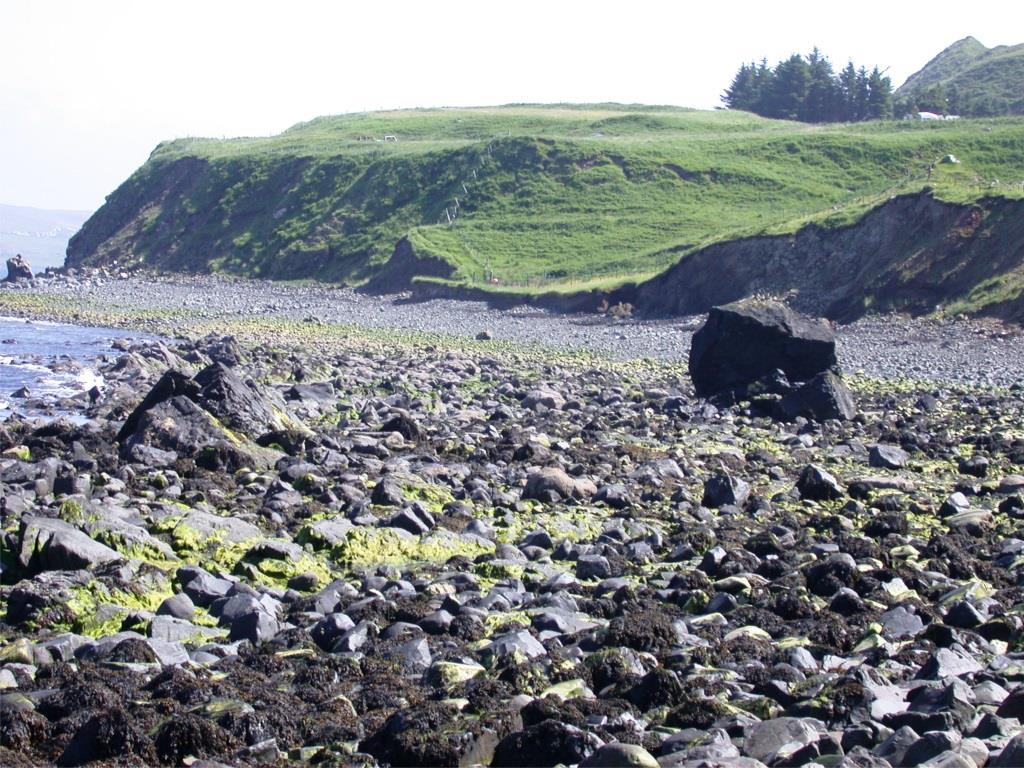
969,79
549,197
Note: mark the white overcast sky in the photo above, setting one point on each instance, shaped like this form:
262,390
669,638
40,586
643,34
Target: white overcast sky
88,88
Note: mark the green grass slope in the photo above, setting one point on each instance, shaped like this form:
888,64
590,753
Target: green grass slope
971,79
539,197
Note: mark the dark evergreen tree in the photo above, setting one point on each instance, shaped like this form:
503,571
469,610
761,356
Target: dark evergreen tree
821,104
808,89
848,92
788,90
879,96
744,92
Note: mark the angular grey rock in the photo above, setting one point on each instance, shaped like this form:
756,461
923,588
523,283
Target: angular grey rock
823,397
179,425
388,493
1012,755
542,482
975,466
325,633
954,504
175,630
408,520
817,484
326,533
895,747
168,653
243,406
724,489
203,588
256,627
230,608
900,622
887,457
520,642
180,606
741,342
990,692
545,396
930,745
964,615
412,655
171,384
355,638
615,495
946,662
593,567
49,544
947,759
766,738
618,755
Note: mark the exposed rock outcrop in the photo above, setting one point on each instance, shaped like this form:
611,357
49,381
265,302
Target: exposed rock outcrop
18,269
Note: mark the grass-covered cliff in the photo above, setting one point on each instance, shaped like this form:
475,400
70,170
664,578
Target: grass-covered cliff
540,198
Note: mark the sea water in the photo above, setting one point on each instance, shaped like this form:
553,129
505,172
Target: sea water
50,360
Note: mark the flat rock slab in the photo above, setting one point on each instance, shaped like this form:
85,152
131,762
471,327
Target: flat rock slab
48,544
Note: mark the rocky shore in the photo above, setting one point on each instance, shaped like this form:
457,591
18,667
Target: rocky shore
311,544
891,347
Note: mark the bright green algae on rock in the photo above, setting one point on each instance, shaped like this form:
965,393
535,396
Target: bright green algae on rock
367,547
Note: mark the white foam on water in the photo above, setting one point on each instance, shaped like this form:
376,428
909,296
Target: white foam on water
68,384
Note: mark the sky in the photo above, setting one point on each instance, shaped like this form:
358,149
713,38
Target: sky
88,89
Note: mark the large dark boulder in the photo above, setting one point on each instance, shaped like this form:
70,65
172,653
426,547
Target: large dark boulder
212,417
181,427
18,269
242,406
751,339
172,384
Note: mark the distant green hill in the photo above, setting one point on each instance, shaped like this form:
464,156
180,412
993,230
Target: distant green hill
534,197
968,79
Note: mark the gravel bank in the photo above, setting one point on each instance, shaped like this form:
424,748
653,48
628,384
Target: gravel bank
963,352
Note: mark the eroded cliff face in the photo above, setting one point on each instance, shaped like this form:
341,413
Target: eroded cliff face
398,273
135,214
911,254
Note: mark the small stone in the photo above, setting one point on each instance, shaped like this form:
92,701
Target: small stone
975,466
816,484
618,755
766,738
901,622
180,606
946,662
887,457
256,627
593,567
724,489
513,643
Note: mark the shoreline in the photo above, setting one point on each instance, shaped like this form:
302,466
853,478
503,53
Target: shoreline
892,347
